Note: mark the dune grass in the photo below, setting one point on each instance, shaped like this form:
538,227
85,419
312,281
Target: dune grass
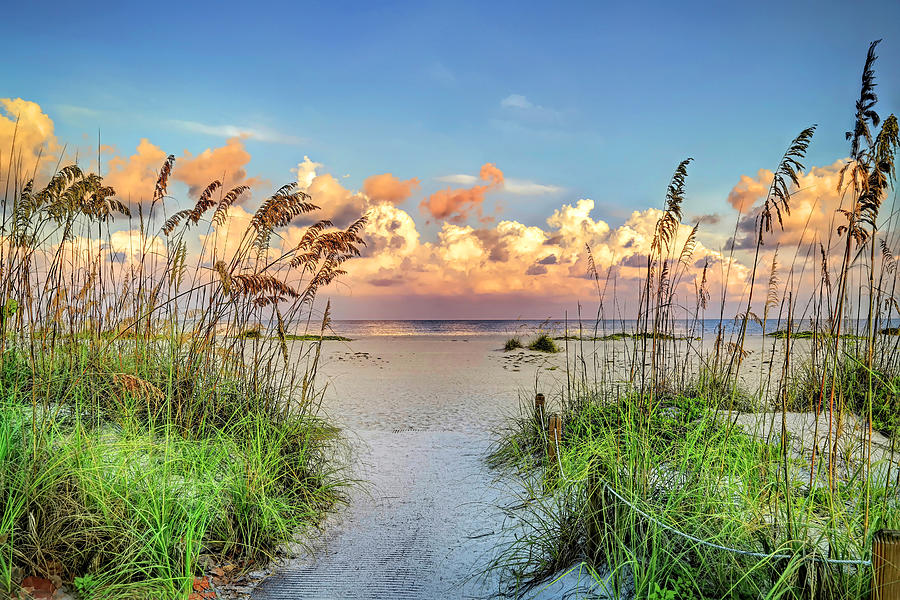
513,343
152,413
543,343
684,473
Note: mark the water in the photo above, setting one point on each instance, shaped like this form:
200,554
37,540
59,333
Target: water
357,328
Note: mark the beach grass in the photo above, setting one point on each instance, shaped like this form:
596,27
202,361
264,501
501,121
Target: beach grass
513,343
153,417
686,474
543,343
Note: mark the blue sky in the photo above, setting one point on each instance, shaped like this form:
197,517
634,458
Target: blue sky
598,100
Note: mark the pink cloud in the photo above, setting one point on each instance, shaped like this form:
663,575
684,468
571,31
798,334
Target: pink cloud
387,188
226,163
134,177
749,190
456,205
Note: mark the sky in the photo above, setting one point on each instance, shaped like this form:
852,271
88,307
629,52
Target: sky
488,141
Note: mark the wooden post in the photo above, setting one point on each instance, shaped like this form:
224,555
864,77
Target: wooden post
539,411
554,435
886,565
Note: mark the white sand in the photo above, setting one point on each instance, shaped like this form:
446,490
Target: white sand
420,410
440,383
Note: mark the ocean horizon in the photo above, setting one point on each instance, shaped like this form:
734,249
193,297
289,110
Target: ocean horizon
353,328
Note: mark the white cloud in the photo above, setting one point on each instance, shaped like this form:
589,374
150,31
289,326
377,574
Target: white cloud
230,131
306,172
529,188
439,73
519,187
74,113
516,101
521,108
458,179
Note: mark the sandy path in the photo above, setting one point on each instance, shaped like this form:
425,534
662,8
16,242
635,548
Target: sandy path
419,410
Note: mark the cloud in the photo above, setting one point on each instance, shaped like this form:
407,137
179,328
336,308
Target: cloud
25,123
306,172
77,113
708,219
458,179
490,172
134,178
813,207
529,188
224,240
335,202
123,247
387,281
439,73
131,245
392,231
505,260
519,187
226,163
387,188
748,190
511,260
516,101
456,205
236,131
520,107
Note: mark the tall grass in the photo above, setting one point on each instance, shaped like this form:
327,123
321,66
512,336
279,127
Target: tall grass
684,473
139,430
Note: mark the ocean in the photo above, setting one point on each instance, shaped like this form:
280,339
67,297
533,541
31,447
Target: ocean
354,328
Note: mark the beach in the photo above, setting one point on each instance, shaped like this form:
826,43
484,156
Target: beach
419,412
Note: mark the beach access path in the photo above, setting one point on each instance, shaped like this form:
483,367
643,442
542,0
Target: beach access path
418,411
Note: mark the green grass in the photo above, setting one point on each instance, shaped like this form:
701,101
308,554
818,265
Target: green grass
116,491
543,343
684,464
852,381
614,337
251,333
808,335
313,338
255,333
513,343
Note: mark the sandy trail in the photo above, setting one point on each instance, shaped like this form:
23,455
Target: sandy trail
419,411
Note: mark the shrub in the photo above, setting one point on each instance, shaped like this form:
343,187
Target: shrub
543,343
512,343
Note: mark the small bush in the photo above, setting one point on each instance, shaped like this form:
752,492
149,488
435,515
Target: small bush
543,343
513,343
252,333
